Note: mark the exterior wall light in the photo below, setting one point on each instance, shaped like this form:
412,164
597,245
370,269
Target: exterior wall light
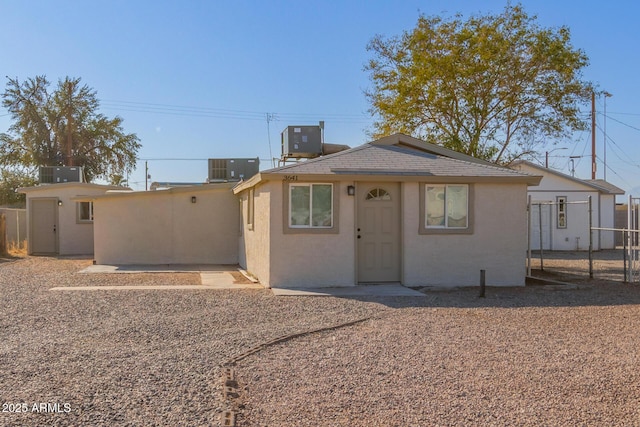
351,190
193,199
59,202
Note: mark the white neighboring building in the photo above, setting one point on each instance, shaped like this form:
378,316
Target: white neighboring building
564,210
57,224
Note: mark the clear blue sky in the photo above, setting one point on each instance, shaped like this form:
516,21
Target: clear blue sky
195,79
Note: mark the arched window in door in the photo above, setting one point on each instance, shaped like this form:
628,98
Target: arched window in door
378,194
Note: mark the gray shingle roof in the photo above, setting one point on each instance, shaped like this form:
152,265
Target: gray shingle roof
606,186
372,159
598,184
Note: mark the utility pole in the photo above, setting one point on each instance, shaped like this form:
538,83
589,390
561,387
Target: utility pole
593,135
69,147
606,95
270,117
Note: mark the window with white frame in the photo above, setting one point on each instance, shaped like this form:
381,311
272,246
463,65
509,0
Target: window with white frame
447,206
311,205
85,211
561,205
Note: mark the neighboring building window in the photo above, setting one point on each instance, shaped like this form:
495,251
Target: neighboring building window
250,209
447,206
241,222
85,211
311,205
561,204
378,194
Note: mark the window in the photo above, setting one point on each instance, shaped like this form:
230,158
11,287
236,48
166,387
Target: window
447,206
85,211
378,194
250,208
311,205
561,204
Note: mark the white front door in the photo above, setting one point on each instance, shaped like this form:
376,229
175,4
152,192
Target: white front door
43,233
378,232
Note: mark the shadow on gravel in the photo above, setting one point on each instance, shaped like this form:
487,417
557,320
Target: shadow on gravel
583,294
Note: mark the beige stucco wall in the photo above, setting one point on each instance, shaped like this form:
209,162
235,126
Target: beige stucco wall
254,244
497,245
74,238
164,227
313,260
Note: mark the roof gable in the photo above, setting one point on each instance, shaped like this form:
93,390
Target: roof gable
568,182
402,140
64,185
396,156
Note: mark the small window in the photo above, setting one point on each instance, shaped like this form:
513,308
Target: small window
311,205
378,194
447,206
250,208
561,205
85,211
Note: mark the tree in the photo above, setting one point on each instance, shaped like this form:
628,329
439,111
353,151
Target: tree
494,86
10,181
64,128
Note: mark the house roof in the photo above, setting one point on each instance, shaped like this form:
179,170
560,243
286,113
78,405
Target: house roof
599,185
194,189
63,185
606,186
399,157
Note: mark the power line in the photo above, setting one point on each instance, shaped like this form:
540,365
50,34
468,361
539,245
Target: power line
191,111
623,123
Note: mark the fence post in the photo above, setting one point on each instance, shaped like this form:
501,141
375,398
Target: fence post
3,235
624,254
590,242
540,224
529,236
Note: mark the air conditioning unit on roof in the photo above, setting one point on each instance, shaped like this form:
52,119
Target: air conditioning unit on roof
301,141
60,174
222,170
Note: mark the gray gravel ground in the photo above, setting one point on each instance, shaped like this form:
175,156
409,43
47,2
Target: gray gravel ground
132,358
521,356
527,357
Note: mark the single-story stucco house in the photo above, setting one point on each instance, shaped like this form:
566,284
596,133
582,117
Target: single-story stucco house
560,212
393,210
181,225
56,223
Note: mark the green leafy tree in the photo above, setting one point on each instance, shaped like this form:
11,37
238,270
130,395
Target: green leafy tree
10,180
64,128
492,86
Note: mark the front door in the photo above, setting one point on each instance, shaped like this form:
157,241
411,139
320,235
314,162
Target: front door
378,232
43,236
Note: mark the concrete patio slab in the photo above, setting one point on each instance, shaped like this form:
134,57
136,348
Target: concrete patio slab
352,291
162,268
137,288
211,276
225,280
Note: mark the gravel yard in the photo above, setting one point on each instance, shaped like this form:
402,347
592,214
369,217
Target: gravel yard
520,356
133,357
